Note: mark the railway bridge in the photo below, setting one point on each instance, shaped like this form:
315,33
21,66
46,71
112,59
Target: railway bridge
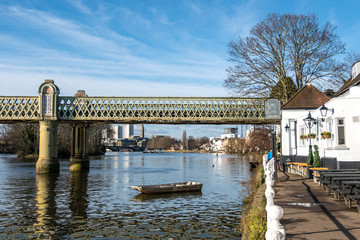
49,109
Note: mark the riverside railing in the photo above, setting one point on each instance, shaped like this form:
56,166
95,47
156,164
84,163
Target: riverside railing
275,230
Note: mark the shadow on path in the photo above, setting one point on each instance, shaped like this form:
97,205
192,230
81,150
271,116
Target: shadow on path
330,216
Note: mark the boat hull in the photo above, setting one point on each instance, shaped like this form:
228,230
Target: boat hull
169,188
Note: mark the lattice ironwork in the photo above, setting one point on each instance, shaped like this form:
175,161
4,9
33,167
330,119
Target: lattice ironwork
163,110
19,109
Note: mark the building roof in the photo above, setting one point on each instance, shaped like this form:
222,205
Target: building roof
308,97
351,82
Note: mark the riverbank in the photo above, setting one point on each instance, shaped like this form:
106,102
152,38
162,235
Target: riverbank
253,221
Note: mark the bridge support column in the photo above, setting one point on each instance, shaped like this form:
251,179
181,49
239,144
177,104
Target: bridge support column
47,162
79,160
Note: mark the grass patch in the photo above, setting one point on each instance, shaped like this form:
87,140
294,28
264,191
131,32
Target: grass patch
253,223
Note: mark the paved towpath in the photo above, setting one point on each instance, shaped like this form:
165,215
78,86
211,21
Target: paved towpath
310,213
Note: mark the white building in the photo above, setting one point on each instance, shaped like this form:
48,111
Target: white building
229,133
342,121
128,130
216,144
117,132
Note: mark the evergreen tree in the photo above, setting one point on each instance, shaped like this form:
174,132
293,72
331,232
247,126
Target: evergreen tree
317,161
283,90
310,157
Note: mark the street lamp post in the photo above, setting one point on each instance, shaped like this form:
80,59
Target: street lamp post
272,136
309,122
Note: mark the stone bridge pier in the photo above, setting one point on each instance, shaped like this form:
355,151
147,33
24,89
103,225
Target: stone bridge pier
79,160
48,161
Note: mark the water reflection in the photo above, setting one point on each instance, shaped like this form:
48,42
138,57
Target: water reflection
78,194
46,205
141,197
100,204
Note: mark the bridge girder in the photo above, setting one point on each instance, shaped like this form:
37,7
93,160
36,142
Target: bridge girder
140,110
49,109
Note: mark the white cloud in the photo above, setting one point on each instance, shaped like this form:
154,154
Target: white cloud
101,61
80,6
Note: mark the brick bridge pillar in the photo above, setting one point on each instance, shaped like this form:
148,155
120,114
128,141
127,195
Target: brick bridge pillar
48,162
79,160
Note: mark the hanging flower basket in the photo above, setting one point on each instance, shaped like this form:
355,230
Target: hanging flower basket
303,137
311,135
326,135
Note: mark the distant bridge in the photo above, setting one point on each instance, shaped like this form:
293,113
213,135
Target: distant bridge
49,109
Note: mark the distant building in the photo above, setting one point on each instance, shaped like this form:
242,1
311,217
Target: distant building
229,133
142,131
244,131
128,130
117,132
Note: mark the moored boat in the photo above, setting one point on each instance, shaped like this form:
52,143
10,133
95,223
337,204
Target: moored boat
169,188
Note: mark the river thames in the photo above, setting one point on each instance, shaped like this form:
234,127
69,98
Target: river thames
99,204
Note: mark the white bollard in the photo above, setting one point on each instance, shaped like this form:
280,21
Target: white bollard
275,230
269,194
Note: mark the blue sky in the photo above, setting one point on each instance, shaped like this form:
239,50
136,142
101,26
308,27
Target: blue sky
138,47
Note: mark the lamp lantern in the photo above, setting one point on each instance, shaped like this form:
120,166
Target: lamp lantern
287,128
323,111
309,121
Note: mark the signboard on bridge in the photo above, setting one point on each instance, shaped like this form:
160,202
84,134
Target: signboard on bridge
272,108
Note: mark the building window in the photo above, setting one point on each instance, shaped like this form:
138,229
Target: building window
329,142
302,132
341,132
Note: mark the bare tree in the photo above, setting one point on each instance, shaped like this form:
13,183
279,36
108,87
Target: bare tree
184,140
192,143
24,138
96,134
163,142
282,47
260,140
350,59
63,140
236,146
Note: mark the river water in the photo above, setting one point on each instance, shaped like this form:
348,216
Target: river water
99,204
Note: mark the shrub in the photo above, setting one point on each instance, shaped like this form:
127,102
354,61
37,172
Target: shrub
317,161
310,157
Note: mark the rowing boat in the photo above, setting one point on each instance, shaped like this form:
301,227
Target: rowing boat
169,188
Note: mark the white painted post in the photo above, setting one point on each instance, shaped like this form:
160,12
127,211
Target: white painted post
275,231
269,194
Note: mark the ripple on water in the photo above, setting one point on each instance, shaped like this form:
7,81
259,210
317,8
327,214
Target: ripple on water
99,204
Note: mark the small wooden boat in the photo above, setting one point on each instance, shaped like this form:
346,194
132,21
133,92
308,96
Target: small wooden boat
169,188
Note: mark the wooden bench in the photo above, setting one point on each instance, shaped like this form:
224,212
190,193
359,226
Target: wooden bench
326,177
297,168
316,174
340,187
354,194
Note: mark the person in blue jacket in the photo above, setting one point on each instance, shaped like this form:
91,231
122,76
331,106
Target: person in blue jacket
269,155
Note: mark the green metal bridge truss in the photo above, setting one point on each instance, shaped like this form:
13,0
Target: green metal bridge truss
157,110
